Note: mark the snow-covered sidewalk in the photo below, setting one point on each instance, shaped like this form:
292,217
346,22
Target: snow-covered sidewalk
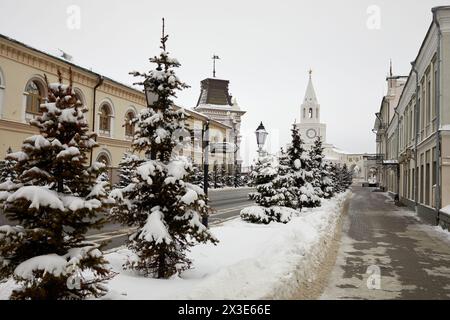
250,262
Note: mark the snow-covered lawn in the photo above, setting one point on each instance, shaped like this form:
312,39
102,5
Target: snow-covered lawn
250,262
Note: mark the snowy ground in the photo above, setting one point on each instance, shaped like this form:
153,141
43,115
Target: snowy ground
250,262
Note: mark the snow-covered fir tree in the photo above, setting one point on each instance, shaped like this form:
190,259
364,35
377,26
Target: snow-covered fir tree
56,199
166,209
126,167
303,175
323,183
284,181
271,202
328,187
8,172
217,176
197,176
342,178
347,177
237,180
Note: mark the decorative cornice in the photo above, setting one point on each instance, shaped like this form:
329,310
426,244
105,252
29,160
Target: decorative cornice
113,142
17,127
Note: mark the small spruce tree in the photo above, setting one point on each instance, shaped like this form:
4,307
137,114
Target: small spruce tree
8,172
166,210
303,175
55,201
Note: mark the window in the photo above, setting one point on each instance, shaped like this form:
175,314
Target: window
129,125
80,96
105,119
435,84
310,113
35,96
103,159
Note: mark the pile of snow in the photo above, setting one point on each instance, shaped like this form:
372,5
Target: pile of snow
250,262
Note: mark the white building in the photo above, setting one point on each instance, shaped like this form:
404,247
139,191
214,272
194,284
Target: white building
311,128
216,102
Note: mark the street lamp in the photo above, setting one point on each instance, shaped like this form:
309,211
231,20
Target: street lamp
150,96
261,136
205,137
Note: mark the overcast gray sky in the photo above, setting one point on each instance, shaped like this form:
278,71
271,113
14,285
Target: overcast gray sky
266,47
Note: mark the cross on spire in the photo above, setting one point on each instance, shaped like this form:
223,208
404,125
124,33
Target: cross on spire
310,73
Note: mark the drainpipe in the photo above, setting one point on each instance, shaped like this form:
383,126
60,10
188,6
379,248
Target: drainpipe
397,197
438,118
99,83
416,142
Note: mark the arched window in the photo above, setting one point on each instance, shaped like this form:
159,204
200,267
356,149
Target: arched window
105,119
80,96
103,158
129,125
35,96
310,113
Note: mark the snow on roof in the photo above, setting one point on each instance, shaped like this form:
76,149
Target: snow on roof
204,116
224,107
340,151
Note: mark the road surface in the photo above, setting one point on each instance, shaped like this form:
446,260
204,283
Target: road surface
386,252
226,204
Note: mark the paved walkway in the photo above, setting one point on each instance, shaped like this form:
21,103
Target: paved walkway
379,238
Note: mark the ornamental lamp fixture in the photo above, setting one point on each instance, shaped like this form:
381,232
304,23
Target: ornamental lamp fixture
150,96
261,136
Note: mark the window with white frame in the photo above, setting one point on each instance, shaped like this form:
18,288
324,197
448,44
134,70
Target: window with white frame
35,95
129,125
105,119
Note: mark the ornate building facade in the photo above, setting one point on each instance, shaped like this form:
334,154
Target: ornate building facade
110,105
216,102
413,130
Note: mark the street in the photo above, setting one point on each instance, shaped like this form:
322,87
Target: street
386,253
226,204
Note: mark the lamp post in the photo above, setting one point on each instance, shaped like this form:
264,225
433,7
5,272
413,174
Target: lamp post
205,136
261,136
236,148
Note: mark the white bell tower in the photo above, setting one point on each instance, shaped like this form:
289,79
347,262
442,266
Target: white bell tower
310,126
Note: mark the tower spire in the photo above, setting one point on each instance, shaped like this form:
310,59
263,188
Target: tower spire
310,95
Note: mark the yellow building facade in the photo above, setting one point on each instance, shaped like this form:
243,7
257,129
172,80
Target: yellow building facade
110,105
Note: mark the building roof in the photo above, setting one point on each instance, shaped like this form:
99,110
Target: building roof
215,92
